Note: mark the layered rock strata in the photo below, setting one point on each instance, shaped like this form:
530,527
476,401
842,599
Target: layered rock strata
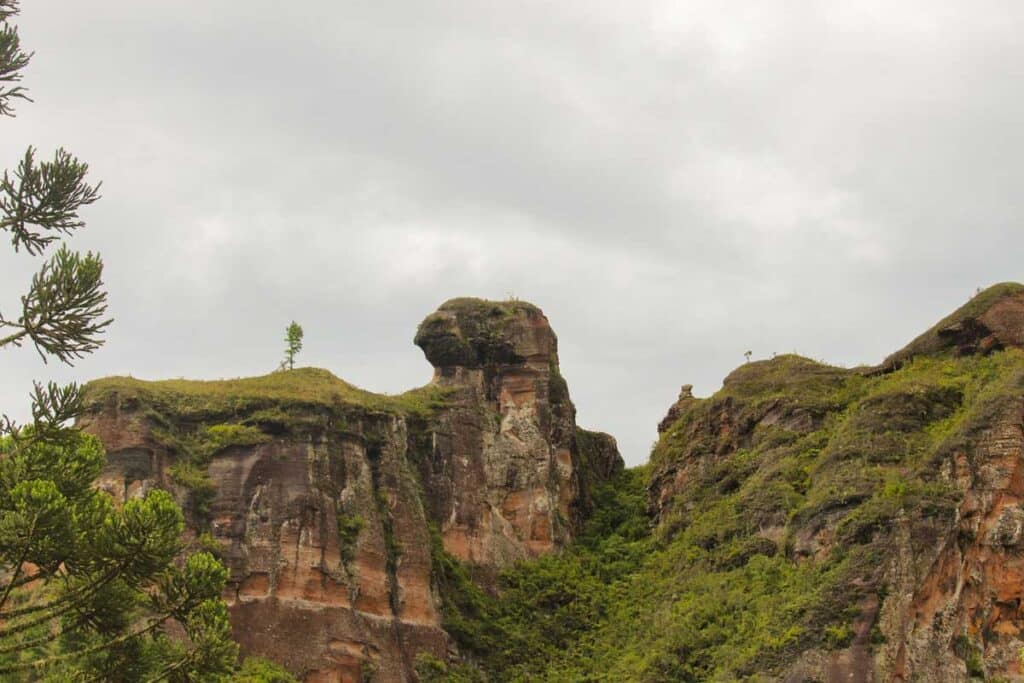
907,478
504,476
323,500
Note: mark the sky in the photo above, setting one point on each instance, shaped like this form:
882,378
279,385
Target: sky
673,183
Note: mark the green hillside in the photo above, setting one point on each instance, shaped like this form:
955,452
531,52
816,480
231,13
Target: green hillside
775,546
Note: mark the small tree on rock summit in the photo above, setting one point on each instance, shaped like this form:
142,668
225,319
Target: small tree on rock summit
293,338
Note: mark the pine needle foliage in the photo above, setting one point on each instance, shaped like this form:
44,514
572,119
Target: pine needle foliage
90,589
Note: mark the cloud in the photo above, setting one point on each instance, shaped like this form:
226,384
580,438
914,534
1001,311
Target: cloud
674,183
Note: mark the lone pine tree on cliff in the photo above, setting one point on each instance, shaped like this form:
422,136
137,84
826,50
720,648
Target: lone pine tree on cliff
293,339
87,588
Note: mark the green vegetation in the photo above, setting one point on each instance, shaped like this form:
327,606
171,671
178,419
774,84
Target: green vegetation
258,670
548,605
89,589
793,379
279,396
194,450
220,437
736,580
202,489
293,340
197,447
349,527
430,669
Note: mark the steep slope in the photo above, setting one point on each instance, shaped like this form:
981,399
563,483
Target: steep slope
325,501
809,523
992,320
503,476
888,498
805,523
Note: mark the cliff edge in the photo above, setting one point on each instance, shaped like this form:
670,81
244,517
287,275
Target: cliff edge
326,501
883,508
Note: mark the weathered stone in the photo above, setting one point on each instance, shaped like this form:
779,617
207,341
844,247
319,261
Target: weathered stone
295,595
964,589
1006,531
325,524
942,597
505,465
685,397
991,321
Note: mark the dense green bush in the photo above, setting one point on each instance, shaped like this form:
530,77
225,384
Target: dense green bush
257,670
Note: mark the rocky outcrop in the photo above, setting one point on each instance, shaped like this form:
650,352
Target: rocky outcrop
677,408
504,470
320,524
322,499
598,457
788,394
956,610
900,489
992,320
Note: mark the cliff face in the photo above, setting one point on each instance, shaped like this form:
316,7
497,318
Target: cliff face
895,493
504,473
322,499
805,523
317,515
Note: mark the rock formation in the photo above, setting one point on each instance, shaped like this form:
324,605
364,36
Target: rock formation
904,483
504,474
992,320
804,523
324,500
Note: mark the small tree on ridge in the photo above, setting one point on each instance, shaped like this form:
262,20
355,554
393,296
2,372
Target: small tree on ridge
293,339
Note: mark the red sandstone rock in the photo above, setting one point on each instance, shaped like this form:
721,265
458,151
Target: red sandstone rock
497,469
953,584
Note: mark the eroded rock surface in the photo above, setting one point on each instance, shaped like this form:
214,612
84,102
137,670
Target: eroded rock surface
957,608
991,321
902,486
322,499
321,526
504,471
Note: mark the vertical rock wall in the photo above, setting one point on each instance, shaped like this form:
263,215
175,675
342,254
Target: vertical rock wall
940,595
504,471
323,531
325,518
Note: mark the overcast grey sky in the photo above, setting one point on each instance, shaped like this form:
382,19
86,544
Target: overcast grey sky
674,183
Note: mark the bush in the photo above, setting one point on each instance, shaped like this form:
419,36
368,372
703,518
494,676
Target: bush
259,670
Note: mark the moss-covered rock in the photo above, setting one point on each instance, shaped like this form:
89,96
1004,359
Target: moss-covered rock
472,333
809,523
992,320
323,498
274,396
